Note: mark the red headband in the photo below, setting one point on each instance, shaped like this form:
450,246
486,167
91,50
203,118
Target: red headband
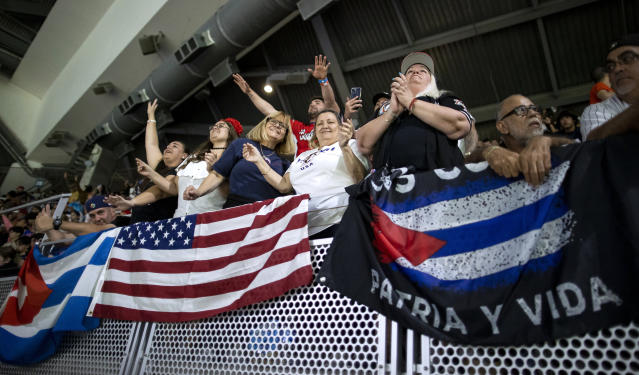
236,124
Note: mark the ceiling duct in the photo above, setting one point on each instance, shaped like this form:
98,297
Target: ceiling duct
227,32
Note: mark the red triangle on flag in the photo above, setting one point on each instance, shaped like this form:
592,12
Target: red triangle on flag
32,292
394,241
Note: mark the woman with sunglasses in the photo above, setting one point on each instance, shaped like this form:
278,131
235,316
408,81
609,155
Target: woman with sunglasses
195,168
273,139
324,171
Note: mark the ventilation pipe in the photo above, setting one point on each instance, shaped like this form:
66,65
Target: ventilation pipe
233,27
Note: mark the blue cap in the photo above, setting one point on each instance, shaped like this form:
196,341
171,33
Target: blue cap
97,201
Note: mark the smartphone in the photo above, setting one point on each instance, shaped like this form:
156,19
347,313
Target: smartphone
356,92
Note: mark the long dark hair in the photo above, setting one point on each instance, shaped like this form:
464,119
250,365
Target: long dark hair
202,149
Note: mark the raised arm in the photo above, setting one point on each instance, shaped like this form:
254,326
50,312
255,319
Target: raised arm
151,143
355,168
454,124
320,73
281,183
148,196
262,105
167,184
368,135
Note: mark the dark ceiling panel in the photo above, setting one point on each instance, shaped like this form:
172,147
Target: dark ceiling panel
576,45
361,26
294,44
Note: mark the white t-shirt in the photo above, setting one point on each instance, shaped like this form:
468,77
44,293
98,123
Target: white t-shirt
597,114
322,173
193,174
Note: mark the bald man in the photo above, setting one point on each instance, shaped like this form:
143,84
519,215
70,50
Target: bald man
524,150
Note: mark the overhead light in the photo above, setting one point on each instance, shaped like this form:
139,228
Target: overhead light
102,88
150,43
268,88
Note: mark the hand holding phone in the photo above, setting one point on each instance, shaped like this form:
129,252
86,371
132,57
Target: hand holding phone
356,92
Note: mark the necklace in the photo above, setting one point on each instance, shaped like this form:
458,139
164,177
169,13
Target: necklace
266,157
218,148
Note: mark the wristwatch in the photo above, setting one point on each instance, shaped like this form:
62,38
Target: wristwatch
57,223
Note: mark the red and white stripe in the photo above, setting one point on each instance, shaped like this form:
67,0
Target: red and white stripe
239,256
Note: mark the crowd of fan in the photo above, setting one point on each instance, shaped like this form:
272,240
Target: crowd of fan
414,124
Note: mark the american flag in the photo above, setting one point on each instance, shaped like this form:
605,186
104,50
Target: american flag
198,266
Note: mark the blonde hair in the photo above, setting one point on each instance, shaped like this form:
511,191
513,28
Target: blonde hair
431,90
287,144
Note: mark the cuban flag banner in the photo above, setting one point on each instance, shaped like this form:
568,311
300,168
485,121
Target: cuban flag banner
466,256
52,296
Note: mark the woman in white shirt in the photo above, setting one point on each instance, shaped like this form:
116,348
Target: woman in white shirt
196,168
322,172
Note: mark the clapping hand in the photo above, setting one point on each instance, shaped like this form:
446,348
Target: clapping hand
210,158
400,89
345,133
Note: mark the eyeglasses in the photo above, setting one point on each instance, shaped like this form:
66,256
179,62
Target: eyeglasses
521,111
218,126
625,58
278,124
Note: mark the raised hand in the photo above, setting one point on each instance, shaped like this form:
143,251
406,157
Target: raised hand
242,84
119,202
44,220
345,133
250,153
190,193
143,168
399,87
151,107
320,70
351,106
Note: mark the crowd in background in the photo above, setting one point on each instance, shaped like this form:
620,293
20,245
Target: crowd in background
414,123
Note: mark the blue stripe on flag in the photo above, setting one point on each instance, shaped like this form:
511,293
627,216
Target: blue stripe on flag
20,351
69,321
63,286
513,224
498,279
484,183
80,243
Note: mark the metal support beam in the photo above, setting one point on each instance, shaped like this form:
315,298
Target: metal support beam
401,17
197,129
547,55
265,71
329,51
16,28
286,105
570,95
465,32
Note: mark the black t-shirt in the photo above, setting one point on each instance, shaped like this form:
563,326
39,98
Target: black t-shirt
121,221
410,141
159,210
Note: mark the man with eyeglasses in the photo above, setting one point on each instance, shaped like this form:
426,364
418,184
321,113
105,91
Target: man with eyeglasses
523,149
620,112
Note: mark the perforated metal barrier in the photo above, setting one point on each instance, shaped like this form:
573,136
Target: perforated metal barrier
310,330
313,330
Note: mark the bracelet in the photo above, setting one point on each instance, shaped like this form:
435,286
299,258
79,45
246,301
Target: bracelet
491,149
392,118
325,80
411,105
151,121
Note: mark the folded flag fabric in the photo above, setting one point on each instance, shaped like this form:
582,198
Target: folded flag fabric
469,257
52,296
201,265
